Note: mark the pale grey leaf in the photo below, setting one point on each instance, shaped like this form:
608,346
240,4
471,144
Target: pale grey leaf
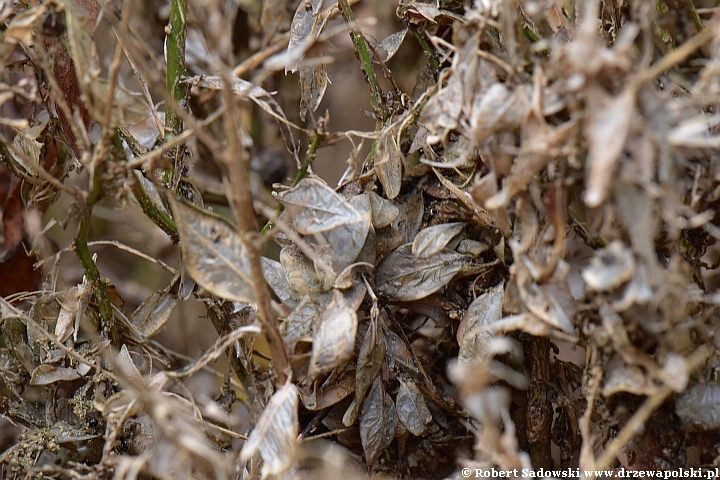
432,240
412,210
46,374
316,208
155,311
397,351
388,165
378,422
607,131
475,330
302,30
275,277
275,434
214,254
391,44
313,83
299,322
300,272
369,362
346,241
383,211
610,267
334,339
699,407
403,277
412,410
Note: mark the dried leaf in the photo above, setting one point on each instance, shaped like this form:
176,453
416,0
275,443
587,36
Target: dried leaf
313,83
276,432
242,88
412,410
474,331
47,374
432,240
610,268
369,363
412,210
398,351
316,208
298,324
346,241
302,31
334,338
699,407
331,393
388,165
607,132
275,277
378,422
391,44
155,311
383,211
214,253
403,277
301,273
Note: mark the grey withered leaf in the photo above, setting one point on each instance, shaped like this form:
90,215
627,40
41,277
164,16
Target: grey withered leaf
391,44
388,165
412,209
378,422
313,83
431,240
412,409
346,241
383,211
397,351
403,277
316,208
304,23
334,338
276,432
214,254
699,406
473,332
152,314
275,277
301,274
369,362
298,323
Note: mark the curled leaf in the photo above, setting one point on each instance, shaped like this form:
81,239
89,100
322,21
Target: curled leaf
432,240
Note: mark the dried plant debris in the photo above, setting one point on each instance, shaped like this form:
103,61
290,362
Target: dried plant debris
517,270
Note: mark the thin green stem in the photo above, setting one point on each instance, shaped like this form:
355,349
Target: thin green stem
310,155
429,51
149,208
82,251
158,217
175,43
361,48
